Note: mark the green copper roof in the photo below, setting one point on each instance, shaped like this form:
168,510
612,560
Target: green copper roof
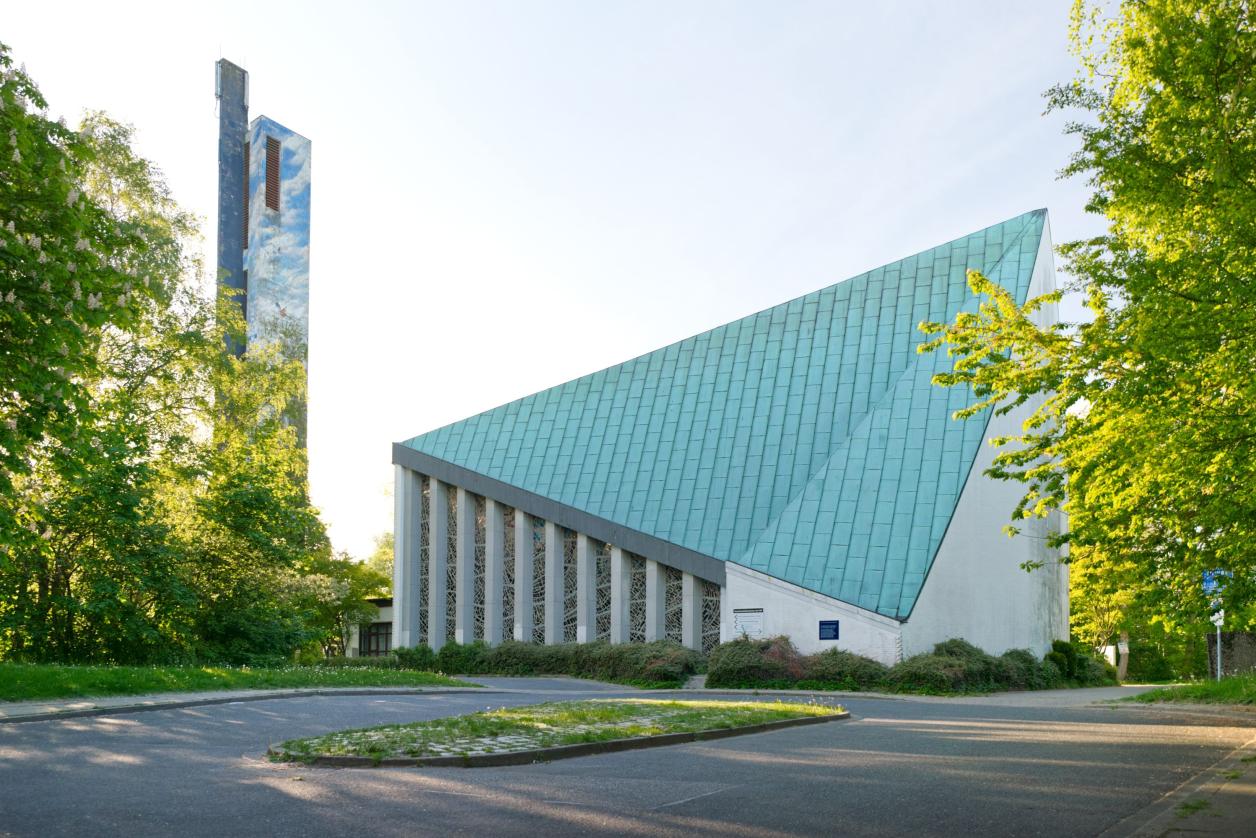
805,441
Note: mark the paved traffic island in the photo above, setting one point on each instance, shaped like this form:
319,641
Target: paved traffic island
544,732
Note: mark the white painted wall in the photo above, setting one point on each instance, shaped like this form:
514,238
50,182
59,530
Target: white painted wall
976,589
797,612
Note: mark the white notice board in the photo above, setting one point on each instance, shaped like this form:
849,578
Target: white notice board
747,621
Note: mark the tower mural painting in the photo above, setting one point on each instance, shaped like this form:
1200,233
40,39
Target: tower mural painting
264,224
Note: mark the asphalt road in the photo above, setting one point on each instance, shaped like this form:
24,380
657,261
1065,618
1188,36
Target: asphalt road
896,768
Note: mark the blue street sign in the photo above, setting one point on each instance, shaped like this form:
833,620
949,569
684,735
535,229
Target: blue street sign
828,629
1213,580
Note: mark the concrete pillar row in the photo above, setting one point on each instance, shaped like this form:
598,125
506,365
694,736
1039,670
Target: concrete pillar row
655,601
407,511
621,590
437,562
691,612
523,576
553,583
464,572
586,589
494,561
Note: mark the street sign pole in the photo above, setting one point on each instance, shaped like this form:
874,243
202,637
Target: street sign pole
1218,651
1217,619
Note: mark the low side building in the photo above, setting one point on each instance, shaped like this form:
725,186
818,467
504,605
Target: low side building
373,639
793,472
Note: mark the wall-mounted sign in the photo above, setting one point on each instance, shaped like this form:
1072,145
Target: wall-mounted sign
828,629
748,622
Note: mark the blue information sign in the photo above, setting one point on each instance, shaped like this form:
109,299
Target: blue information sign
1214,580
828,629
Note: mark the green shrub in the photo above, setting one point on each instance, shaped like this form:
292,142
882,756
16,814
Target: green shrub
1068,652
980,670
662,663
746,663
1052,673
839,669
419,658
1148,663
464,659
1060,662
1093,673
1023,671
958,647
936,674
515,658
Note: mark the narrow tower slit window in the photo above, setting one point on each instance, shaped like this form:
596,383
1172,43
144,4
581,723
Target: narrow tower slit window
245,220
272,173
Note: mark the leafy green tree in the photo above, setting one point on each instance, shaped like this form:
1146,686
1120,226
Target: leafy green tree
84,572
71,265
336,590
381,560
153,497
251,524
1145,431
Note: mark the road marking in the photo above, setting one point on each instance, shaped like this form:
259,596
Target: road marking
695,797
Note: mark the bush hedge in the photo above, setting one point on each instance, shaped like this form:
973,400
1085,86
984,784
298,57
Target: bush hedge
954,666
658,664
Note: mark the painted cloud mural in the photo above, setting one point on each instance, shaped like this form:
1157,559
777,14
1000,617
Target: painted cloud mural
277,258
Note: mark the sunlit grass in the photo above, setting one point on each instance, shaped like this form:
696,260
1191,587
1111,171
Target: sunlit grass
25,682
546,725
1238,689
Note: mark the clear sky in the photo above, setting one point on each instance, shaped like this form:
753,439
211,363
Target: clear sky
507,195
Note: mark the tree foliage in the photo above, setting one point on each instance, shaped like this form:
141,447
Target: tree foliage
73,262
381,558
153,496
1145,422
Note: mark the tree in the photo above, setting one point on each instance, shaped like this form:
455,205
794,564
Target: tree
153,496
250,525
336,590
71,265
1146,433
381,560
86,574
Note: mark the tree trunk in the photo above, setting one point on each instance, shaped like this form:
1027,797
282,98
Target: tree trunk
1123,657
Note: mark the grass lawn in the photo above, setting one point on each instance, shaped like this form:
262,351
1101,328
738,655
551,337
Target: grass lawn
26,682
1239,689
543,726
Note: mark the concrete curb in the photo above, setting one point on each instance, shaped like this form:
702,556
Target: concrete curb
230,699
535,755
1163,816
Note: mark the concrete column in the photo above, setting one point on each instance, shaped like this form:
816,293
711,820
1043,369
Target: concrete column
464,578
523,576
494,557
691,611
553,583
621,590
437,562
586,589
726,615
408,501
655,601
